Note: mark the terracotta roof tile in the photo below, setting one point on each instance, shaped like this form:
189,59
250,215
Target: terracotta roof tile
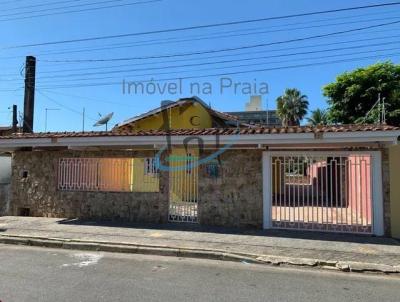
210,131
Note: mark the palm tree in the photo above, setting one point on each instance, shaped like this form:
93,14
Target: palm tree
318,117
292,107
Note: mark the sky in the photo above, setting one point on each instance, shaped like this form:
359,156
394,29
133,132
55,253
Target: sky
71,77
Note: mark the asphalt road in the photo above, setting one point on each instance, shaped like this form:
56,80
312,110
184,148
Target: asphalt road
39,274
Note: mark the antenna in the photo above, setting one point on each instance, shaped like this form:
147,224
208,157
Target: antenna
104,120
45,119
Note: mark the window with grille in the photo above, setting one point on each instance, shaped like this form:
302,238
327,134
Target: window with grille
108,174
150,166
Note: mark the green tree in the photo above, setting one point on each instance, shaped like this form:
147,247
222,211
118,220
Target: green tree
318,117
292,107
354,94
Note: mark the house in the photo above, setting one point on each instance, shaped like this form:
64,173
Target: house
185,162
5,130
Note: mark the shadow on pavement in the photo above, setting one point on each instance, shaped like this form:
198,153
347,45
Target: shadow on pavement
295,234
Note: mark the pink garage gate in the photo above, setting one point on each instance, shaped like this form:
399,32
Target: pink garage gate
323,191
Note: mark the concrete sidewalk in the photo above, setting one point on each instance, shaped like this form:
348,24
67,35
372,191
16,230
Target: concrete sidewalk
333,251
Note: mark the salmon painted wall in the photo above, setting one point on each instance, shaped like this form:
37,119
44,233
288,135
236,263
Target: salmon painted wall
359,188
394,166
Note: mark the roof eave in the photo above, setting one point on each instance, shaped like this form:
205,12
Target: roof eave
384,137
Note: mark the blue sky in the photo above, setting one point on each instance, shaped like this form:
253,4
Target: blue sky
379,42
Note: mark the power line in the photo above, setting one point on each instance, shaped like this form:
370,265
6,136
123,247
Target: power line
218,62
226,49
11,1
80,10
215,35
228,67
218,56
173,39
90,99
228,73
188,39
205,26
37,5
62,7
63,106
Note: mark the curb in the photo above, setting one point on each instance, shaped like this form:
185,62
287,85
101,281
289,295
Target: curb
73,244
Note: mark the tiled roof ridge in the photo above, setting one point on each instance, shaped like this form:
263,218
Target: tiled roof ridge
213,131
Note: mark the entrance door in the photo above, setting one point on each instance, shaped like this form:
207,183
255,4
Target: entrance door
183,186
323,191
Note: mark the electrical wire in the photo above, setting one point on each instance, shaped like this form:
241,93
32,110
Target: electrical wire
217,62
226,49
231,73
62,7
177,40
62,105
79,10
37,5
4,76
214,57
218,68
205,25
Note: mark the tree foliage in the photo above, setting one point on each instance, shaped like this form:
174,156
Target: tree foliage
318,117
292,107
354,93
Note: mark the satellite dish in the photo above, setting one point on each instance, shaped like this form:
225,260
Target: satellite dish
104,120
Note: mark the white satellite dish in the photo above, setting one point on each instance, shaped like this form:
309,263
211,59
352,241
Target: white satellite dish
104,120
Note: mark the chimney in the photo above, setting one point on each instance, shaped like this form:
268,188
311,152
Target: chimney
29,98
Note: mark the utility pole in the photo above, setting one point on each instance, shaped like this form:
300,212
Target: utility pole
29,97
14,119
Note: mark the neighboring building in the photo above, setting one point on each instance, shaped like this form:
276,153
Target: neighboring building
255,103
254,114
184,162
258,118
5,131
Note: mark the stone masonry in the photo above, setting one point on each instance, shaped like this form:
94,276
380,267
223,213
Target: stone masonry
234,196
230,190
38,191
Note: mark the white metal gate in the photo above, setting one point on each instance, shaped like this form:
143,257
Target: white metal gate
183,188
326,191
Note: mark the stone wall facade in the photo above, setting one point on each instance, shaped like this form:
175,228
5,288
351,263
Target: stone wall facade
4,199
231,189
38,191
233,199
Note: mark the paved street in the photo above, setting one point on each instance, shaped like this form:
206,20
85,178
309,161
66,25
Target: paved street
40,274
323,246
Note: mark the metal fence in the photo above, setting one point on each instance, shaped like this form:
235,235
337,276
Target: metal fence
183,188
327,192
108,174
